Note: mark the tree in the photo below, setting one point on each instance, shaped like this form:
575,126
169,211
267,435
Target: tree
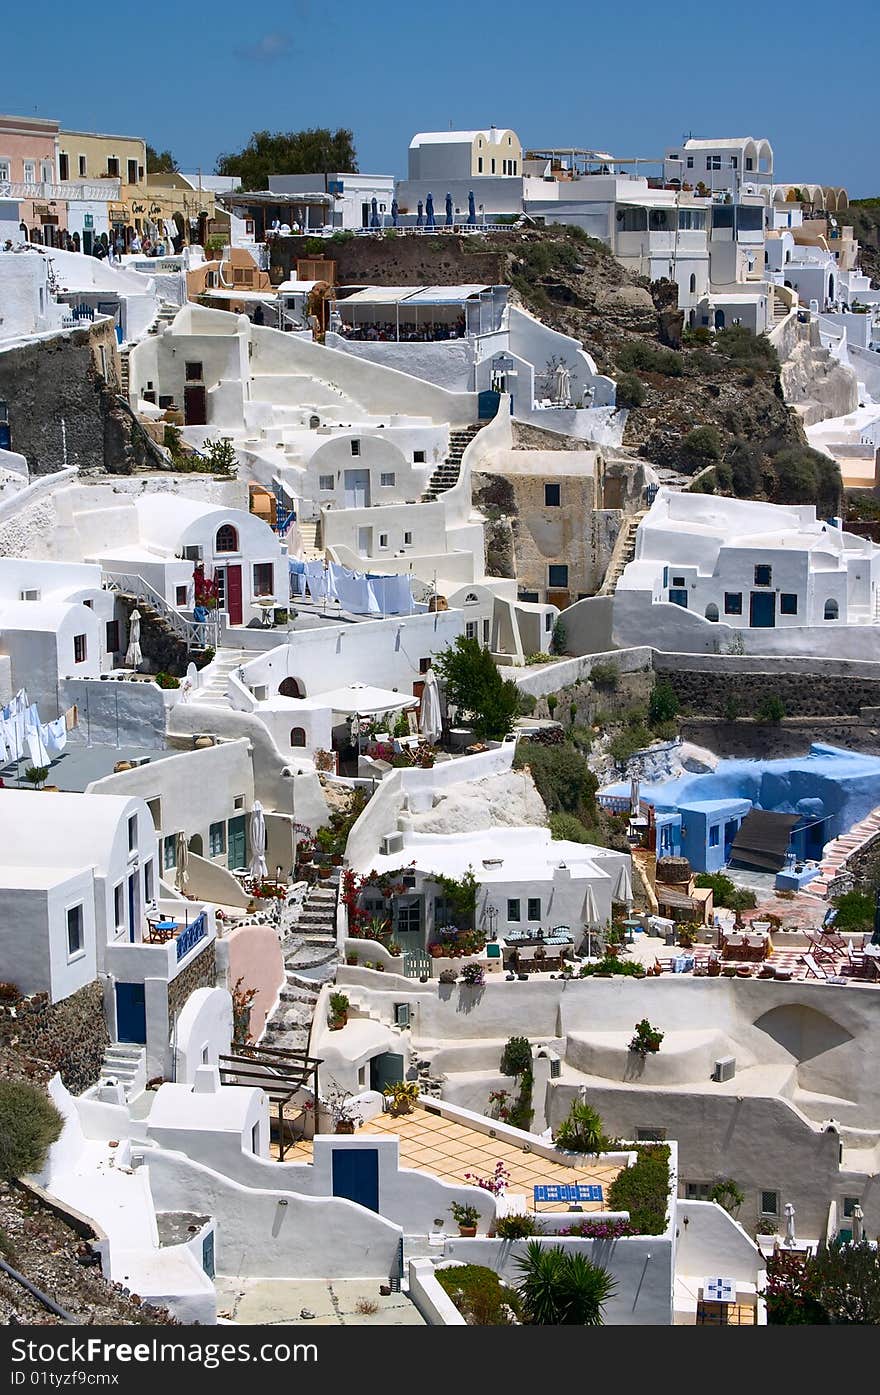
161,161
475,687
847,1279
315,151
561,1288
663,705
29,1124
791,1293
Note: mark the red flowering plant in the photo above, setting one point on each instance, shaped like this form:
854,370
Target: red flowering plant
206,592
496,1184
363,924
264,891
498,1101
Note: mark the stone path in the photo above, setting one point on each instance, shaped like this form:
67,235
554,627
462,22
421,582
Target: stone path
332,1303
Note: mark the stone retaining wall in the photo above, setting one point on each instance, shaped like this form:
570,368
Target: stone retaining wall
803,694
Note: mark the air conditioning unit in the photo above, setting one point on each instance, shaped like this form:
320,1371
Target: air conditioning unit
401,1014
555,1067
193,552
725,1068
29,595
391,843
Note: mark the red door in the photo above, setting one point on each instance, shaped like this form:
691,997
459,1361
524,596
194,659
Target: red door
233,594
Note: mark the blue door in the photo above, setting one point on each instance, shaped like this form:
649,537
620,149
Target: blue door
356,1175
236,843
762,610
132,902
487,404
678,596
208,1254
131,1013
5,436
385,1069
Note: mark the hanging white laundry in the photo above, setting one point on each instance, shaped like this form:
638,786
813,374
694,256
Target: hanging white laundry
36,749
317,578
352,590
54,736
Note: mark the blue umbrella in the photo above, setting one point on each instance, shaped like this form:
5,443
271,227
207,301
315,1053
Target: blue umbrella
394,212
420,221
429,212
374,216
449,210
472,208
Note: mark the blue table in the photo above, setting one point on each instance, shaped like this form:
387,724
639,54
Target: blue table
564,1191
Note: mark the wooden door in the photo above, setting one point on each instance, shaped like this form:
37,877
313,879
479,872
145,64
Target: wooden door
195,406
233,593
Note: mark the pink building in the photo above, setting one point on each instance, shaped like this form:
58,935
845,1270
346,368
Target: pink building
29,175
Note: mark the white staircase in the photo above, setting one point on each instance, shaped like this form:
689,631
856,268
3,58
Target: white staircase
125,1064
308,532
213,692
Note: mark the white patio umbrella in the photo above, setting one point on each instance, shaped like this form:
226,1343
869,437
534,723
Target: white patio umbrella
634,805
182,873
858,1217
590,917
430,721
790,1240
257,836
133,655
623,886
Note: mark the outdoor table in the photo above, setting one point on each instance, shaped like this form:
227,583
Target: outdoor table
565,1191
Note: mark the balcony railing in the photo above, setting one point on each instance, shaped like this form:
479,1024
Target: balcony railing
67,190
189,938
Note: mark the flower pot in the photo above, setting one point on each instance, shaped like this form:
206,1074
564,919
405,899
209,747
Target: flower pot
324,871
336,859
337,1023
468,1231
344,1126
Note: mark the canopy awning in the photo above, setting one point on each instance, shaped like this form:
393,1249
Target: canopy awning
358,699
762,840
446,295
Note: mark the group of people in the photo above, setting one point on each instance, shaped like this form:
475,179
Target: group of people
406,332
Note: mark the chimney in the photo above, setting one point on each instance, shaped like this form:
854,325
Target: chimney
207,1080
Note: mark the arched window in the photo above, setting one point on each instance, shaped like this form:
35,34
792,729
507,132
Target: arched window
195,844
291,687
831,610
227,539
471,599
693,282
712,612
297,736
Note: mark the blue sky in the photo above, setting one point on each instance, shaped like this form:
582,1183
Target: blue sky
627,78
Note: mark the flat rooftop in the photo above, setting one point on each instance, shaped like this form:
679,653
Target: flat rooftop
78,766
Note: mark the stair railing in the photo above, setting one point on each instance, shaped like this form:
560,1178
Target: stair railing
193,634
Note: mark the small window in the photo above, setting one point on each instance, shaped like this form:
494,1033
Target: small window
297,736
849,1205
534,908
255,1139
387,478
383,539
831,610
83,167
690,162
326,481
111,640
769,1203
714,835
679,581
74,932
193,372
132,171
79,649
557,575
548,622
424,665
407,539
693,282
646,1134
112,167
788,603
472,629
238,802
493,166
419,457
227,539
264,579
355,447
763,575
30,171
733,603
487,631
479,164
119,906
169,852
180,594
551,496
132,832
217,839
712,612
697,1191
513,911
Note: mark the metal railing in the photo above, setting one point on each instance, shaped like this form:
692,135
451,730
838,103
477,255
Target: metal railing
194,635
190,937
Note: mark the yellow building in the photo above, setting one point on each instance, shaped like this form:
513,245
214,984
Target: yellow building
94,156
174,197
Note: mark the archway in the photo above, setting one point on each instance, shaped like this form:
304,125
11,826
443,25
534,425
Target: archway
297,736
719,319
291,687
693,282
196,845
830,287
712,612
832,610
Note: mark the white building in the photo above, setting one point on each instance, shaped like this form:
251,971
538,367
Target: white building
28,304
707,568
736,164
487,164
353,196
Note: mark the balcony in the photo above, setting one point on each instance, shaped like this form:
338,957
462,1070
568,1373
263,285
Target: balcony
68,190
168,946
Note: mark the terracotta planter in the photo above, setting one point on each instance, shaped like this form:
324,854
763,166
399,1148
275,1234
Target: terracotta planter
468,1231
324,872
337,1023
336,859
344,1126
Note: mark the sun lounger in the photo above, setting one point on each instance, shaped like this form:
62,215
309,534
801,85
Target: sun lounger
819,971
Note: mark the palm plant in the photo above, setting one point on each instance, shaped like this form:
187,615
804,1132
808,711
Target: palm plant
581,1130
562,1288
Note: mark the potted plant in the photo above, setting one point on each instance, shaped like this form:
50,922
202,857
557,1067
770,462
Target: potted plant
402,1096
343,1111
646,1038
473,975
466,1218
338,1011
687,935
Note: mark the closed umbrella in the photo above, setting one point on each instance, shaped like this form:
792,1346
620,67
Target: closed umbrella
472,208
420,220
133,655
623,886
429,212
790,1240
858,1217
590,917
395,211
430,721
181,876
374,215
449,210
257,833
634,805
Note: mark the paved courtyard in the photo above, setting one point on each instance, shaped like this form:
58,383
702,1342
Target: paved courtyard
333,1303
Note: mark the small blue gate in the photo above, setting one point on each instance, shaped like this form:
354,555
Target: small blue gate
356,1175
131,1013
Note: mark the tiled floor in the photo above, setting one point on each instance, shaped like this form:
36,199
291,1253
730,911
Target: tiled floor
448,1149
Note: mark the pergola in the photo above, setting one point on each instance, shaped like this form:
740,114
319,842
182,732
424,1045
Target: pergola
278,1073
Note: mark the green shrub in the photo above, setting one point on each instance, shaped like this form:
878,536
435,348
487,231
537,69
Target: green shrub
568,828
562,1288
479,1295
527,704
29,1125
562,776
724,892
517,1227
581,1130
650,358
558,639
626,742
516,1058
605,676
746,349
700,447
581,737
663,705
855,911
643,1190
475,687
539,658
806,476
630,390
622,968
771,709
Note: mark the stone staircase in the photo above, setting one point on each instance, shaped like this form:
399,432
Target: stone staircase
166,314
124,373
447,472
780,310
308,532
317,920
837,853
310,944
125,1064
213,693
623,553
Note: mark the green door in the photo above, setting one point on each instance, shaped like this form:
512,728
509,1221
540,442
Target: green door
236,843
